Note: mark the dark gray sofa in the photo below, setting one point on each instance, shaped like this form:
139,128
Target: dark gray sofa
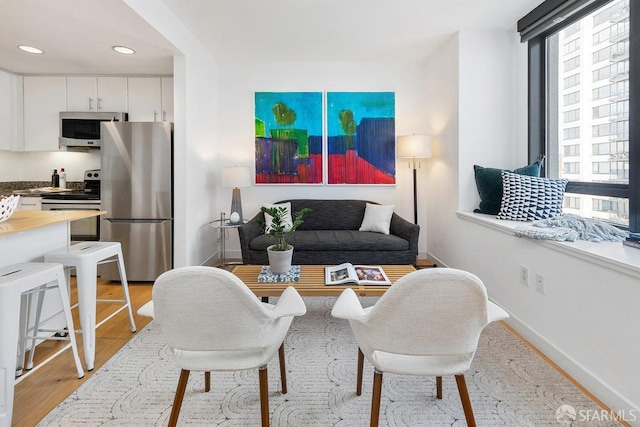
329,235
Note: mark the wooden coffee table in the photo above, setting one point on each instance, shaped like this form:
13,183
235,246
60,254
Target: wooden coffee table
311,282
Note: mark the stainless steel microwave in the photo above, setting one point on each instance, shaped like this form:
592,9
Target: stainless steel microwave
82,129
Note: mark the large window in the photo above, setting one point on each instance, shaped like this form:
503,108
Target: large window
582,98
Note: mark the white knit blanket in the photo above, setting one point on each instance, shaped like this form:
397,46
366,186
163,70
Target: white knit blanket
570,227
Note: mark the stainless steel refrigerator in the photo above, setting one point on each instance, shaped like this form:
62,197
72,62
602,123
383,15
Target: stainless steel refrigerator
136,191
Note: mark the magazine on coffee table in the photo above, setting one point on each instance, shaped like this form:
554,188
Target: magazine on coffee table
358,274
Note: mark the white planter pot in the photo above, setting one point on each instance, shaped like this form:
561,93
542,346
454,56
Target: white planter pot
280,261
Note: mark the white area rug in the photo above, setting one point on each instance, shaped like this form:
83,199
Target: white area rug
508,383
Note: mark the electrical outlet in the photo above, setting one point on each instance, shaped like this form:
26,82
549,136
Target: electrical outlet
524,275
540,283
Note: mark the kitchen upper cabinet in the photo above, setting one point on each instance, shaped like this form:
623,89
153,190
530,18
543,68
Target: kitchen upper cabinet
151,99
44,98
8,110
145,99
167,99
112,94
97,94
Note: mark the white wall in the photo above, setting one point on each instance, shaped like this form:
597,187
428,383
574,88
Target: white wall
486,113
239,81
195,134
38,166
214,128
441,77
587,320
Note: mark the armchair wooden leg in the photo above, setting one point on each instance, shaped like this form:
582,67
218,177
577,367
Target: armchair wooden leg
466,402
360,368
264,395
207,381
439,387
177,400
283,369
375,398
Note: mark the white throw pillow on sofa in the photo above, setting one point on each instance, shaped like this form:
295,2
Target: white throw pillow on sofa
377,218
288,220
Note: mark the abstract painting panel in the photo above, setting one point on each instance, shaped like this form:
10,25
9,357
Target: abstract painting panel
361,138
288,129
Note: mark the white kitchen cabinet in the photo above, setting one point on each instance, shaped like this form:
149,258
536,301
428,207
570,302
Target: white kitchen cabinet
29,203
82,94
112,94
145,99
10,111
97,94
167,99
44,98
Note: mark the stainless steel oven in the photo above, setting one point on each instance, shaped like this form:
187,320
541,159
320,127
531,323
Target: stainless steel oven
82,230
88,199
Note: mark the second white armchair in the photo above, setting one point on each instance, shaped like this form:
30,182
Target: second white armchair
428,323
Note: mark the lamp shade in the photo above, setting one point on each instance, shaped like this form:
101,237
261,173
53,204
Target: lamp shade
414,146
235,177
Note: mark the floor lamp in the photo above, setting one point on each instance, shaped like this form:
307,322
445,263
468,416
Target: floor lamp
236,177
414,147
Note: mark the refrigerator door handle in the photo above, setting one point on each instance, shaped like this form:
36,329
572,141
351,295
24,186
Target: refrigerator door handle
134,221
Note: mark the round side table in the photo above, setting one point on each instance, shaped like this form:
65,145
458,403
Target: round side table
223,226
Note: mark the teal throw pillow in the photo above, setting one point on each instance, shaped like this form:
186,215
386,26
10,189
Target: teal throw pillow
489,183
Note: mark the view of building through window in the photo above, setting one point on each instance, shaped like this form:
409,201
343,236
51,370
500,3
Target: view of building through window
588,109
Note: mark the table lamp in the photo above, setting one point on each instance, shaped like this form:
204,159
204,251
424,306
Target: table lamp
236,177
414,147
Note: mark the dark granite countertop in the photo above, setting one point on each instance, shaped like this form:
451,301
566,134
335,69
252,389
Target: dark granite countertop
30,188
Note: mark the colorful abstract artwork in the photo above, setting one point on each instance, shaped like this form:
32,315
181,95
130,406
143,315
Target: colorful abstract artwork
361,138
288,129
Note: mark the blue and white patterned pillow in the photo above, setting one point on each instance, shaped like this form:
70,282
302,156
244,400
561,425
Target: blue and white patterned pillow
529,198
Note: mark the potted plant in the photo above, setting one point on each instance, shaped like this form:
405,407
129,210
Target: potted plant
281,252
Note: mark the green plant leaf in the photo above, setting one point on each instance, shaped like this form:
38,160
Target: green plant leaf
278,228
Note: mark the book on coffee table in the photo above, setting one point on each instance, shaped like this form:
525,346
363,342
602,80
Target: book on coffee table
358,274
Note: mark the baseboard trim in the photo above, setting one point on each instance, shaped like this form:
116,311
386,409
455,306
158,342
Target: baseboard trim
431,257
602,394
212,261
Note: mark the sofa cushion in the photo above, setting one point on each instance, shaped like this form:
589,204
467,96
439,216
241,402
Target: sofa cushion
287,220
377,218
336,240
330,214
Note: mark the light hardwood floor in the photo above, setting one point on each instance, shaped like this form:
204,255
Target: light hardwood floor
43,388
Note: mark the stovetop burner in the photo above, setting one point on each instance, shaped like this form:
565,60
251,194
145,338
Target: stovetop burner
91,189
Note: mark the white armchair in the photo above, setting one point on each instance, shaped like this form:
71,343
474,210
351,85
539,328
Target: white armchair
213,322
428,323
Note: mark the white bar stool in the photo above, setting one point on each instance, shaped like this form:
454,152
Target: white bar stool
85,257
16,281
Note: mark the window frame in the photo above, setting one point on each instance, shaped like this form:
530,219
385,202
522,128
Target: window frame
534,28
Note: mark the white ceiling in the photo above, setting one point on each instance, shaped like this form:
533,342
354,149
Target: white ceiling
339,30
77,35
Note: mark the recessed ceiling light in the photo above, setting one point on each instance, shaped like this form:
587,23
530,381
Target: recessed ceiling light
30,49
124,50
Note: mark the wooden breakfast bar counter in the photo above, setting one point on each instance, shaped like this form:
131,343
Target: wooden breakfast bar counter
27,235
28,220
